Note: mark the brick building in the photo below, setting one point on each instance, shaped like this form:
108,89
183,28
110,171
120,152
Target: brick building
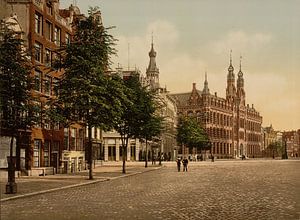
234,128
291,139
47,145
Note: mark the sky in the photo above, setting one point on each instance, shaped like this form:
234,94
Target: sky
192,37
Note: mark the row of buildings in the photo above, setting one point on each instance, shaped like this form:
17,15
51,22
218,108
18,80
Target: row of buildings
234,127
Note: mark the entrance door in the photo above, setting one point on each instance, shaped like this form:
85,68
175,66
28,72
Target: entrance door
54,161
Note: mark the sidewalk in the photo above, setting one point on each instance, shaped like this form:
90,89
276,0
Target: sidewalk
29,185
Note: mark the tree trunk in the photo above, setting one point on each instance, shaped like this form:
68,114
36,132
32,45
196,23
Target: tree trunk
146,159
11,186
124,158
90,159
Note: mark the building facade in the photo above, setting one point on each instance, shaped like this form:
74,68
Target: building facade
234,128
166,145
48,147
291,140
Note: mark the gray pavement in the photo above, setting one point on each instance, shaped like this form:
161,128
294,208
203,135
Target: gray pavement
252,189
32,185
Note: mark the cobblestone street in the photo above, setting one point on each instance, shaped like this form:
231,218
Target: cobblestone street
252,189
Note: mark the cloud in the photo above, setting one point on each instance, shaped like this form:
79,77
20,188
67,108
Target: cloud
240,41
165,36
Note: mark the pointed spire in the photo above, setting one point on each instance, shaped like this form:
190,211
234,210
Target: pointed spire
205,89
240,74
240,80
230,68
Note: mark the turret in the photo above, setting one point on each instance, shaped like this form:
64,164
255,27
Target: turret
152,72
240,85
230,90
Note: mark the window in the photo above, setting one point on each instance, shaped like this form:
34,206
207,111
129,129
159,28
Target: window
73,139
49,8
48,31
66,139
48,57
47,85
36,152
37,113
38,51
46,153
37,81
68,38
80,139
57,36
38,23
56,126
55,146
55,86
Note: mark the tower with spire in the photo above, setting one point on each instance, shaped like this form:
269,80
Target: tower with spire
152,72
205,88
240,85
231,89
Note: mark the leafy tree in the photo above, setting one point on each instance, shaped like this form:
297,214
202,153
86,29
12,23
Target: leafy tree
86,94
138,117
16,106
191,134
152,123
275,148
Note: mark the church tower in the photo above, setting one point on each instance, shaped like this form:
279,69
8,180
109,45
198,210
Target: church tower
152,72
230,90
240,86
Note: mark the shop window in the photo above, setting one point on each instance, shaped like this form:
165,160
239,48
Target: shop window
46,153
36,152
132,152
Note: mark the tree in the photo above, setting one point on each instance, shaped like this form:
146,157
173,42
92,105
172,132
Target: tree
86,94
16,103
138,116
151,122
275,148
191,134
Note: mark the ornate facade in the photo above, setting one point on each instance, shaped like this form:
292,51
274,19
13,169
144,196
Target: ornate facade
167,140
233,127
48,147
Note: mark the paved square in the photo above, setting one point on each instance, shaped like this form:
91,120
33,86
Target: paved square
252,189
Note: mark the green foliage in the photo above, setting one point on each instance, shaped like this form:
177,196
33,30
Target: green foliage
139,119
191,134
276,148
86,94
16,106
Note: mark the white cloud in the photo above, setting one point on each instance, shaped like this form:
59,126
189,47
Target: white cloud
240,41
165,36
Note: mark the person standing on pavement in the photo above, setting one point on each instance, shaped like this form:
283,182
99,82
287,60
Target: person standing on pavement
185,164
178,161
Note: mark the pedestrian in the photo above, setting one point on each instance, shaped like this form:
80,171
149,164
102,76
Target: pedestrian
178,161
185,164
212,158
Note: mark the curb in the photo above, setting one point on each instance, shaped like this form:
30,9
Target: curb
74,185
